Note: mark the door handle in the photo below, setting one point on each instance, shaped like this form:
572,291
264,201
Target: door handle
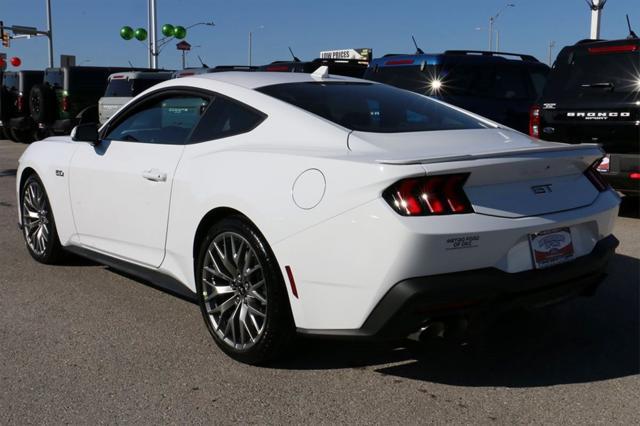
154,175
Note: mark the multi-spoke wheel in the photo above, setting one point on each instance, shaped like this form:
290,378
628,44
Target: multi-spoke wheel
241,292
38,226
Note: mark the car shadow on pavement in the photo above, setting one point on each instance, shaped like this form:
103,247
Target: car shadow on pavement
585,340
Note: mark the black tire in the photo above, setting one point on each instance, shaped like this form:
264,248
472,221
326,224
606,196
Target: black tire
52,252
24,136
5,106
42,104
278,328
39,134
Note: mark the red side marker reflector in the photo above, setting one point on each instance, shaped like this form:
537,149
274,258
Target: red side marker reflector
634,175
292,282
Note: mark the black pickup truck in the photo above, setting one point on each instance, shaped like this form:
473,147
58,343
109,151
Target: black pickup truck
593,96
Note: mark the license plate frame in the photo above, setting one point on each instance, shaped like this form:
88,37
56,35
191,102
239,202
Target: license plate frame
551,247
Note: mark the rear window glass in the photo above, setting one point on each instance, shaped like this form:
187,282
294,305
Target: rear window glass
11,81
579,74
54,78
372,107
457,79
124,87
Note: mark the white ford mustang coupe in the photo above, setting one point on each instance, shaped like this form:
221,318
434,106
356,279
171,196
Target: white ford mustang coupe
321,205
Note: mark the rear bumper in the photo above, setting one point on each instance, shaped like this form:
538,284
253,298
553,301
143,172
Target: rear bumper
411,303
621,167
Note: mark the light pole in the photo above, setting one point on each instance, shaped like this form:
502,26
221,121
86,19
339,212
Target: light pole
153,36
492,20
552,44
596,7
261,27
50,33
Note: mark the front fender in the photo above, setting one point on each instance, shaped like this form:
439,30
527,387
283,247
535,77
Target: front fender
50,160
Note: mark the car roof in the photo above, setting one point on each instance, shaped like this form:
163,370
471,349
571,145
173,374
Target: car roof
151,75
253,80
453,55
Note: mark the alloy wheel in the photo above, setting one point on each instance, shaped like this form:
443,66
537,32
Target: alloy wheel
35,218
234,290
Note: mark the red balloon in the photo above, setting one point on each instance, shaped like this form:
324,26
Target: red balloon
15,61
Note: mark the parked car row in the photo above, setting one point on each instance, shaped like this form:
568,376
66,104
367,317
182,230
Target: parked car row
592,94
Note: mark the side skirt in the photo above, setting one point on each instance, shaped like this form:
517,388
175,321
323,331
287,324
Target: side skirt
155,279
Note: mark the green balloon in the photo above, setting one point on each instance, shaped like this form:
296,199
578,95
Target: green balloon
140,34
179,32
167,30
126,33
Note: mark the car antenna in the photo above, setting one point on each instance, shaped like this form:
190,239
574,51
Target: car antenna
631,33
131,65
418,50
295,58
202,63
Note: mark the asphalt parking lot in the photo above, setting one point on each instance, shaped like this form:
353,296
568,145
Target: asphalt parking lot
82,343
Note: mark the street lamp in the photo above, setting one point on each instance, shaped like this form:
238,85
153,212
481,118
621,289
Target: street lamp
169,31
493,19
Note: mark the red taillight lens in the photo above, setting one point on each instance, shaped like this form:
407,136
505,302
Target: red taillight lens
430,195
534,121
20,102
595,177
634,175
400,62
277,68
613,49
64,103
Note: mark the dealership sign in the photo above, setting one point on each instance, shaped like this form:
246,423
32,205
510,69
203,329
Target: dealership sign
360,54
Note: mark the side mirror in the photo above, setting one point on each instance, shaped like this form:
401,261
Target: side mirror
85,133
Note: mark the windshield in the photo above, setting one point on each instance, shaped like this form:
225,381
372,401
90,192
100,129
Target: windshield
370,107
579,74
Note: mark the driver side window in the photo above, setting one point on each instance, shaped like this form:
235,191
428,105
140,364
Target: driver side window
168,120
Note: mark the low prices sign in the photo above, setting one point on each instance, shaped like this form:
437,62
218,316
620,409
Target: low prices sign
183,45
360,54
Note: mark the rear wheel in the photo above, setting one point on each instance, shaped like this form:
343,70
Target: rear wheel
38,225
242,294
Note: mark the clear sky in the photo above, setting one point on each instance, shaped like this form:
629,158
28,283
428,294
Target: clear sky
89,28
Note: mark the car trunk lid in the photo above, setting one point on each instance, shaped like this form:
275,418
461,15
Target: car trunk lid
511,175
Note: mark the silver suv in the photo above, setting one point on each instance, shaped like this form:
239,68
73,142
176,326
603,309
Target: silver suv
123,86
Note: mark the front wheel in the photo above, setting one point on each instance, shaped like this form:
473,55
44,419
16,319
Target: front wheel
38,225
242,294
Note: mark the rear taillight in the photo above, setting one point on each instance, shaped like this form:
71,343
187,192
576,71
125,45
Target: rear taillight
430,195
534,121
613,49
400,62
595,177
634,175
277,68
20,102
64,103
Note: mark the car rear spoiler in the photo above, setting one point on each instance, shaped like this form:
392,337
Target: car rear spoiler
496,154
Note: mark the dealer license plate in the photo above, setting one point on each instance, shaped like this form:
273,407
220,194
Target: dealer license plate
551,247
